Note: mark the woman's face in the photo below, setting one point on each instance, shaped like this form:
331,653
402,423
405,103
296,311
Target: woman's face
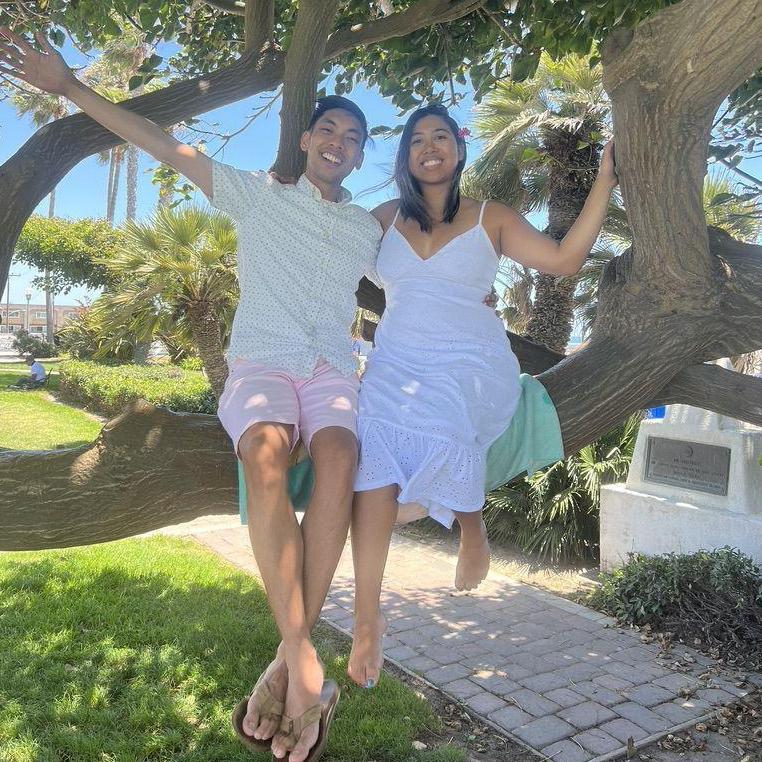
434,151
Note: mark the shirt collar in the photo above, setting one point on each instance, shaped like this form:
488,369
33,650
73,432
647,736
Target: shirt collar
305,185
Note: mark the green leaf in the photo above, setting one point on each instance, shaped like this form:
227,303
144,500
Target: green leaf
524,65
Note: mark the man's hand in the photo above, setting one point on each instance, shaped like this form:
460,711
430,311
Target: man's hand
44,70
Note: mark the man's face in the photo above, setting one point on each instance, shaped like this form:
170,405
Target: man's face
333,146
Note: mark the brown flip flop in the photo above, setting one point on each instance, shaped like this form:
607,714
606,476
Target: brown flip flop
269,708
291,728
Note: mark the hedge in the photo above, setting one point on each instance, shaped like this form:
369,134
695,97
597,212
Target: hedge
108,389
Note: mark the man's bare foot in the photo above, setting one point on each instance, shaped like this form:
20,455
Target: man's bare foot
473,559
276,677
305,682
367,655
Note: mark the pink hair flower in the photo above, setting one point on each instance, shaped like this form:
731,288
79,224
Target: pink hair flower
464,133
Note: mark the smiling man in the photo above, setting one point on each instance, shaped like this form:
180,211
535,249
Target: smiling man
302,248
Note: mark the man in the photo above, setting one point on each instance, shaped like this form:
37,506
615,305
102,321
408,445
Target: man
36,375
302,249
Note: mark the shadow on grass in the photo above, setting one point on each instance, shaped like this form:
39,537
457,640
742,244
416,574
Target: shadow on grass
139,650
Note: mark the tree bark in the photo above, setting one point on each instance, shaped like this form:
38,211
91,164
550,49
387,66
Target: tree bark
207,338
132,182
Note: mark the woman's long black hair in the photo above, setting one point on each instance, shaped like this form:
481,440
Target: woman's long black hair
411,197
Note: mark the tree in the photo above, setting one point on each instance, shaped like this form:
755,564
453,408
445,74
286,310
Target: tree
67,250
682,294
542,151
43,108
174,274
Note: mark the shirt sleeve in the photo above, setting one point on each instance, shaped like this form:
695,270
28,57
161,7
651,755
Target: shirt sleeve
236,191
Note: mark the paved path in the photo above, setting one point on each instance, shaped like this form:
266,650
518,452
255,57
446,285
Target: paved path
558,677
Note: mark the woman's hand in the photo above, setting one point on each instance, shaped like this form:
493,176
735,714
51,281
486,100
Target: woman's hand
44,70
607,170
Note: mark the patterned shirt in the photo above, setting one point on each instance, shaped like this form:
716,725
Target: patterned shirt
300,259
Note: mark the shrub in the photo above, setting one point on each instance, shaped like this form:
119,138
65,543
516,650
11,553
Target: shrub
26,343
714,597
191,363
554,512
84,335
108,389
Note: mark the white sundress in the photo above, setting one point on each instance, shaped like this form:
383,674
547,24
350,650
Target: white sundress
442,382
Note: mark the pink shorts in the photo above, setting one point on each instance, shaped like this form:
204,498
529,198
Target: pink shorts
255,393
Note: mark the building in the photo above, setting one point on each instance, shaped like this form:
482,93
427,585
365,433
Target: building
31,317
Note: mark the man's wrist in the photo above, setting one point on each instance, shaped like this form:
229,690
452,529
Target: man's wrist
73,87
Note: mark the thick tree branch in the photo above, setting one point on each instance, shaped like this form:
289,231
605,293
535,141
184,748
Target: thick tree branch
717,389
666,79
259,23
304,61
421,14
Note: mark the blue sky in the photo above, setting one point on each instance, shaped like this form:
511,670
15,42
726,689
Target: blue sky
82,193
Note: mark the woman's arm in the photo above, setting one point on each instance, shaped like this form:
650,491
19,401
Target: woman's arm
528,246
48,71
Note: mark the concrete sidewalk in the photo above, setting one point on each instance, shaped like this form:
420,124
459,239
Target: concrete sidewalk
553,675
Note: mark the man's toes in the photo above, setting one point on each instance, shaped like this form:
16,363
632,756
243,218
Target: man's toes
266,729
301,750
250,723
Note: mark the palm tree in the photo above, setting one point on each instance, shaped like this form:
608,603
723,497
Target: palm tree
542,152
176,277
110,75
43,108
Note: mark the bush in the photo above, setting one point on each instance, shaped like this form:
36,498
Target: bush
554,513
191,363
714,597
108,389
26,343
84,335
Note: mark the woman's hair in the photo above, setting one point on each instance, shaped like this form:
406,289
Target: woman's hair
411,197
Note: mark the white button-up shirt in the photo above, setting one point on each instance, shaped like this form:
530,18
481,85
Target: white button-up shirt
300,259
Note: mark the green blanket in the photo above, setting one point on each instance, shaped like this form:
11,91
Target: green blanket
531,441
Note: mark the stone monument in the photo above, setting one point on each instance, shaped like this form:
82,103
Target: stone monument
695,483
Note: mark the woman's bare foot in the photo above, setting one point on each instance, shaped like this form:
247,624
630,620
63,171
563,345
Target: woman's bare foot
276,678
367,655
473,557
305,682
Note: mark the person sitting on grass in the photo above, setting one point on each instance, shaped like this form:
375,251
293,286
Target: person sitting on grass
36,377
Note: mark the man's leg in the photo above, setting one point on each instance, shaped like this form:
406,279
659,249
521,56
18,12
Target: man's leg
324,531
473,552
278,549
373,517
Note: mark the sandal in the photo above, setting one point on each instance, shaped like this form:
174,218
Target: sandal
291,728
269,709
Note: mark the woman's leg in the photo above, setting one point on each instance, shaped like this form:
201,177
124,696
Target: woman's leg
473,553
373,516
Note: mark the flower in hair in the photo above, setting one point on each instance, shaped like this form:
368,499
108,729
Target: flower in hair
464,133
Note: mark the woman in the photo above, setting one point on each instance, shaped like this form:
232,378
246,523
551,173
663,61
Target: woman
442,382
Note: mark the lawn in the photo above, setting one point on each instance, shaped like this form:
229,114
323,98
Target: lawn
138,650
30,420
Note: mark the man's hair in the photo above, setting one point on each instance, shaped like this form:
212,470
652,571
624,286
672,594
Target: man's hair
30,357
411,196
330,102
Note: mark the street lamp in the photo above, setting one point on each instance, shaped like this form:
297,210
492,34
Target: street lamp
8,302
28,295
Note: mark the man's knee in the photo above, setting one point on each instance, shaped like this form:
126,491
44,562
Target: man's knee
334,454
263,450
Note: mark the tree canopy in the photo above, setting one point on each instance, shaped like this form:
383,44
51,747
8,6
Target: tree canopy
69,249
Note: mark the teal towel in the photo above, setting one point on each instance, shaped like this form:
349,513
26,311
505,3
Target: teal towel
531,441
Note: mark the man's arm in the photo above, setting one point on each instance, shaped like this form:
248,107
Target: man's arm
47,71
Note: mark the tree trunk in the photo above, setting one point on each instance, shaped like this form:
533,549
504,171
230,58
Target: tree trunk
207,338
50,323
132,182
118,154
572,172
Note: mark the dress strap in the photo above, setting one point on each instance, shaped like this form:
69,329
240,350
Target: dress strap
481,213
396,214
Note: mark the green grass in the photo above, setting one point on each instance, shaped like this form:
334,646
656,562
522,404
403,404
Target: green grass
32,421
138,650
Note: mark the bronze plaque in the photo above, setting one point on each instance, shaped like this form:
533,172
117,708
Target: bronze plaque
700,467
